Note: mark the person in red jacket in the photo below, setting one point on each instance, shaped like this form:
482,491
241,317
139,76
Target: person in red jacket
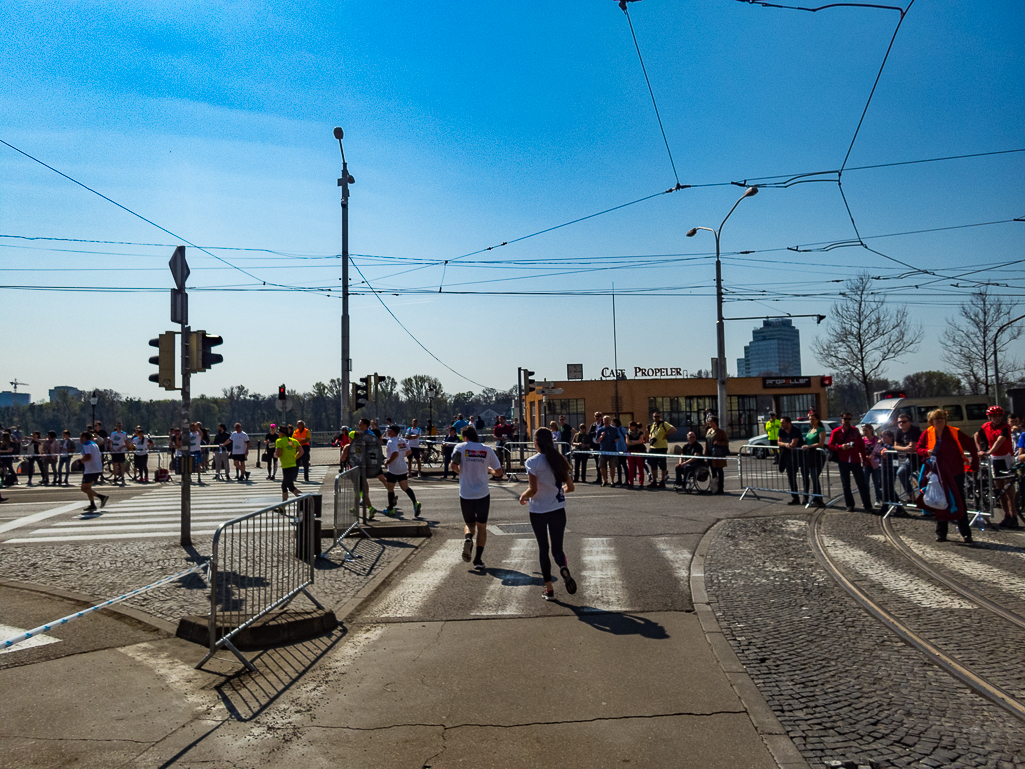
942,449
846,441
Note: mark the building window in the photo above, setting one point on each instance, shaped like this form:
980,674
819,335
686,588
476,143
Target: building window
743,416
571,408
672,411
796,406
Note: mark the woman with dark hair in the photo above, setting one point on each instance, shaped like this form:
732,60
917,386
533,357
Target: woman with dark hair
548,474
814,443
718,446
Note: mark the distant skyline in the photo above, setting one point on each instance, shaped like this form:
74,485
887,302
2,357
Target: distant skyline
469,127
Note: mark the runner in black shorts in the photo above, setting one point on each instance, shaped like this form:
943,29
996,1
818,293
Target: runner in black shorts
473,461
396,471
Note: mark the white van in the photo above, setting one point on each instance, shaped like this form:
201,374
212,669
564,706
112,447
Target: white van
965,412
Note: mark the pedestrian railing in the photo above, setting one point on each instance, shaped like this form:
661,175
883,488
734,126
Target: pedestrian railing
260,562
803,473
348,501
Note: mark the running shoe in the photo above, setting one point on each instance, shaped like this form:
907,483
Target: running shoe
548,595
371,512
416,509
567,578
103,500
391,512
90,509
467,549
479,566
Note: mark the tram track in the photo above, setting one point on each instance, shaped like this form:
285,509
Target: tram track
946,661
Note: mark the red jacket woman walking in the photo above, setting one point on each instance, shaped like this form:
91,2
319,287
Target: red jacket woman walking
942,449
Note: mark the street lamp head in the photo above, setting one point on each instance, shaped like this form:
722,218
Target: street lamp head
749,192
338,133
692,232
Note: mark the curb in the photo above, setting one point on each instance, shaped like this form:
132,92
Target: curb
369,591
134,614
773,734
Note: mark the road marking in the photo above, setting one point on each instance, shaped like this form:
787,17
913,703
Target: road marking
1004,580
17,523
7,631
409,595
677,556
601,580
906,586
511,585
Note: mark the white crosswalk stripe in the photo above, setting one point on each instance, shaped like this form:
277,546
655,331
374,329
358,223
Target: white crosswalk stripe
514,583
157,513
602,584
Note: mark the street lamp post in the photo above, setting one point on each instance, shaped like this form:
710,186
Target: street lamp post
93,400
344,181
996,360
720,331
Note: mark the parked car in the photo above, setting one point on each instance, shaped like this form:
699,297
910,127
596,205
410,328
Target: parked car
761,449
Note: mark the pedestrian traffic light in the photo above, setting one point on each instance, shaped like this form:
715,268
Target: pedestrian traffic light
528,381
361,393
282,394
164,361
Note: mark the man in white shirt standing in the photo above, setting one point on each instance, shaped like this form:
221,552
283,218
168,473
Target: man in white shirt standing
413,441
239,451
92,466
141,445
117,443
396,470
473,461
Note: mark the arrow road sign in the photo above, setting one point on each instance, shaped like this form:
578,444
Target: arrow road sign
549,391
179,268
544,384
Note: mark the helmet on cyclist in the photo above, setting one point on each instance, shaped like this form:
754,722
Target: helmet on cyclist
994,411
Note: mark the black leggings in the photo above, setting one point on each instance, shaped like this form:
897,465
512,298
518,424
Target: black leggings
555,523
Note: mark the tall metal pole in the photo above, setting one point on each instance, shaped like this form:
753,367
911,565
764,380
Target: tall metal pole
615,355
344,183
186,465
720,339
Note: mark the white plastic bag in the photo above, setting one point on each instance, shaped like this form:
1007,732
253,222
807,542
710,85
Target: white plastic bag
934,496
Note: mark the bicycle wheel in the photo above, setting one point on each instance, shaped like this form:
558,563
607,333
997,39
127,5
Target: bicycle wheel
108,468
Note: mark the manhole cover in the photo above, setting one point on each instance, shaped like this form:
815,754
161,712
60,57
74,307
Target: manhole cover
516,528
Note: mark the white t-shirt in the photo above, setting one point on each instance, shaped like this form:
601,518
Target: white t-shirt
238,442
549,495
141,445
92,460
398,465
413,437
118,441
196,441
474,461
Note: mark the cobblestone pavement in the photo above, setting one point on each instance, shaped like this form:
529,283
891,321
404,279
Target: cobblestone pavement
844,687
107,569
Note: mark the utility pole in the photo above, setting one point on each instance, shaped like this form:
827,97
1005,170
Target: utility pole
180,314
344,183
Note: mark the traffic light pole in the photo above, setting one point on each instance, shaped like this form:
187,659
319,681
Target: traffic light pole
186,459
343,182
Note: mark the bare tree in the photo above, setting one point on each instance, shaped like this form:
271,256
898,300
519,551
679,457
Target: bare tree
968,341
864,334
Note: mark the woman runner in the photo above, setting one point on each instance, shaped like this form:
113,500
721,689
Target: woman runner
548,474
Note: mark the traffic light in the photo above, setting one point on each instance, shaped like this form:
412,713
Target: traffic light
528,381
360,393
200,356
282,394
372,394
164,361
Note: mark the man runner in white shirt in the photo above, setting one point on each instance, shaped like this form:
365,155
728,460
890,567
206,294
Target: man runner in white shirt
413,441
396,471
239,451
473,461
118,442
92,467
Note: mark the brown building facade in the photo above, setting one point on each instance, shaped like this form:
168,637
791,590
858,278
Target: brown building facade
682,401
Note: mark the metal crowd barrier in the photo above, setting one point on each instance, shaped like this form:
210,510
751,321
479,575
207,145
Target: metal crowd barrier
260,562
348,499
801,473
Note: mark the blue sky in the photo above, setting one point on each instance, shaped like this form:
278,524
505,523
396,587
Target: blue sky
468,125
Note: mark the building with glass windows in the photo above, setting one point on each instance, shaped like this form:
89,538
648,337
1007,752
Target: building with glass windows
775,350
682,401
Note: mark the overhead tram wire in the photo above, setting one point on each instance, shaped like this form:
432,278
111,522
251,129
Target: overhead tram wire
410,333
143,218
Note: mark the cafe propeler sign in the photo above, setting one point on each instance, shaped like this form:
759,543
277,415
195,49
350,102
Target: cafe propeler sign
640,372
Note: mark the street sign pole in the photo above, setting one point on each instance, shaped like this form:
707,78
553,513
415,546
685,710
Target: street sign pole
180,314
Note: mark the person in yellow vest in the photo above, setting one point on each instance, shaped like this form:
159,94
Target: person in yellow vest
942,449
772,425
289,453
302,435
